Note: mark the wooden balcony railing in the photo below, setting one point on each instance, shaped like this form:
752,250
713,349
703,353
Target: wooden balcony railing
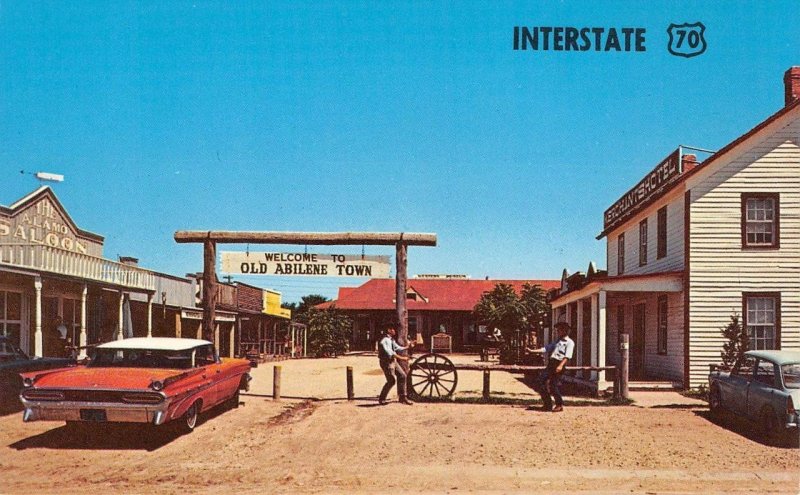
62,262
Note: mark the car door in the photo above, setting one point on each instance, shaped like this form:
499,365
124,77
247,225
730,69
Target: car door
206,358
734,392
229,379
762,387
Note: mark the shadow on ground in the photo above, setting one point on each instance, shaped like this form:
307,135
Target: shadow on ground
110,436
746,429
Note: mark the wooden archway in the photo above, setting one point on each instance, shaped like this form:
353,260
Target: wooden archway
210,239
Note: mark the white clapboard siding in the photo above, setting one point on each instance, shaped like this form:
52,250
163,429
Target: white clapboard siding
669,366
720,270
673,261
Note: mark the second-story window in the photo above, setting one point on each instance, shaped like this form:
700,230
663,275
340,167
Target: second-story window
760,220
661,247
643,242
621,254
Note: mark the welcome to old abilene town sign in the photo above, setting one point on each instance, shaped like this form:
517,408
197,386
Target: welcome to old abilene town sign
305,264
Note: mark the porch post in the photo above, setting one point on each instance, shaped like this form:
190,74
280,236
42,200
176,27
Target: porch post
578,325
601,334
149,315
232,340
82,338
37,335
119,320
178,324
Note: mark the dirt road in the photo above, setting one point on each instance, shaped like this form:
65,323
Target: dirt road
332,446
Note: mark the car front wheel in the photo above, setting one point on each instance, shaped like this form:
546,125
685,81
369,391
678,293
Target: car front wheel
189,418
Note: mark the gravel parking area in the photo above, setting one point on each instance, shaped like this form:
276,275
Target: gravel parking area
330,445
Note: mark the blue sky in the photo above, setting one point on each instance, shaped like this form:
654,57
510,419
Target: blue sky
368,116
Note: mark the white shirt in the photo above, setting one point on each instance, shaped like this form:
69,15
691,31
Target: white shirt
564,349
390,346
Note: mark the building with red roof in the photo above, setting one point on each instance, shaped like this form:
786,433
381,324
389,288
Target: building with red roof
434,305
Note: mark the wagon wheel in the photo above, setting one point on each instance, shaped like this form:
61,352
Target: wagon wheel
433,376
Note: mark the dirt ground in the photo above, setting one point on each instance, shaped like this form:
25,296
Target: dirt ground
330,445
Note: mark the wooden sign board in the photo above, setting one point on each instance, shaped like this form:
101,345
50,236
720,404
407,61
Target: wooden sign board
653,186
305,264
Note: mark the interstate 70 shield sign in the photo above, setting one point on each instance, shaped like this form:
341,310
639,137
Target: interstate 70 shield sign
686,40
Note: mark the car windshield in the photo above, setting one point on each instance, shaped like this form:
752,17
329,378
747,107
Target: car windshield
141,358
791,375
10,353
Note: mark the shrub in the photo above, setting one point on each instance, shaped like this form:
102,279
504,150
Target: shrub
737,341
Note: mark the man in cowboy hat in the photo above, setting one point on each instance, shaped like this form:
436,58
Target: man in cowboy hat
560,353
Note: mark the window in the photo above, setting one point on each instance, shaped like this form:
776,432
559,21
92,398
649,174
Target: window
661,248
760,220
661,340
643,242
762,319
765,373
205,355
621,254
412,327
791,375
744,367
11,316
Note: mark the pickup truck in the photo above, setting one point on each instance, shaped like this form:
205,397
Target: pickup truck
763,386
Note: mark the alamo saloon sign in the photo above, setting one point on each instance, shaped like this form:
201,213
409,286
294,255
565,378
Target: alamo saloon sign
44,223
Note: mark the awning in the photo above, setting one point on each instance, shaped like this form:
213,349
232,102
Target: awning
651,282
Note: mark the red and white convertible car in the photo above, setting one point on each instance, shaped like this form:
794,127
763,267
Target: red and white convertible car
141,380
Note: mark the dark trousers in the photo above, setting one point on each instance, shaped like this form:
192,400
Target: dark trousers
392,368
550,383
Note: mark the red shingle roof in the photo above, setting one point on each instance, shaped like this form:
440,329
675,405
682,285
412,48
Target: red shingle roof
436,294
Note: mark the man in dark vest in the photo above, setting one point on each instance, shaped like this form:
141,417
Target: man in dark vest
388,357
560,352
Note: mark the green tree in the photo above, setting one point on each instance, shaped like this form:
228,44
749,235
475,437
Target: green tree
537,309
737,341
328,332
501,308
301,312
516,315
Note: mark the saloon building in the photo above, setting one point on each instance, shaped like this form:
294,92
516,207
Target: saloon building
435,305
691,245
57,289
